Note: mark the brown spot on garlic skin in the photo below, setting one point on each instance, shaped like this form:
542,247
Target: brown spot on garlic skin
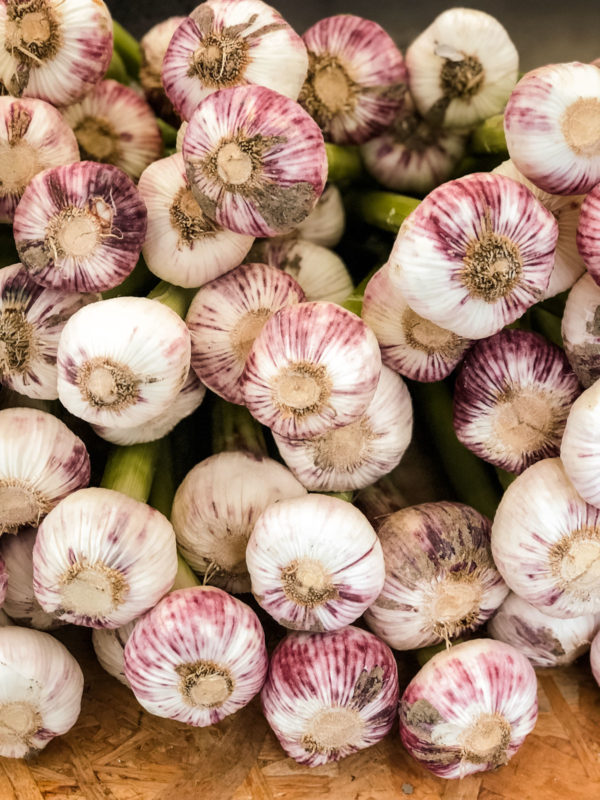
422,712
285,206
204,683
492,264
585,361
367,687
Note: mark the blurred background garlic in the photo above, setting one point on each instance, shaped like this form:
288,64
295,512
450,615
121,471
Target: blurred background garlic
581,329
325,223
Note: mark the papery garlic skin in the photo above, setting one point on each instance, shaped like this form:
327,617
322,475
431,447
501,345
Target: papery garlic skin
42,462
255,160
225,317
326,222
475,254
580,447
328,695
469,708
3,578
546,542
197,657
153,46
462,68
440,579
123,361
552,127
581,329
109,646
588,232
101,559
40,691
595,658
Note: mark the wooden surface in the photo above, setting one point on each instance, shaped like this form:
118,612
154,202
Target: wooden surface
116,751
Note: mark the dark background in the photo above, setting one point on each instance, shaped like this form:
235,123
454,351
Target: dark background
542,30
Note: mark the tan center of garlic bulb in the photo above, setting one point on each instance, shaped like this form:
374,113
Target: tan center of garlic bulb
344,448
333,91
19,162
92,590
331,729
454,606
98,141
76,232
104,382
486,740
19,721
301,388
21,504
525,419
580,124
246,330
220,59
33,32
575,561
492,265
424,335
461,75
205,684
187,218
306,581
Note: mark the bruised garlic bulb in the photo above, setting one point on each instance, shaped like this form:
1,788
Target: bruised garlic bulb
595,658
80,227
255,160
196,657
355,456
546,542
326,222
475,254
469,708
122,362
580,447
588,230
225,317
581,329
153,46
328,695
40,691
109,645
41,462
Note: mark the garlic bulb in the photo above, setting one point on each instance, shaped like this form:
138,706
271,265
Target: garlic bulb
153,46
475,254
41,462
80,227
355,456
123,361
469,708
114,125
182,245
580,447
356,79
40,691
581,329
109,645
301,383
56,50
3,576
546,542
512,396
180,135
328,695
315,562
440,577
462,68
255,160
101,559
197,657
588,232
225,43
546,641
552,124
31,321
326,222
410,345
595,658
33,137
215,509
225,317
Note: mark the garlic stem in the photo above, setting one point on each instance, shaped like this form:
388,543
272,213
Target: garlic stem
136,283
176,298
168,132
354,301
163,486
385,210
127,48
343,162
488,137
548,324
116,70
130,470
234,428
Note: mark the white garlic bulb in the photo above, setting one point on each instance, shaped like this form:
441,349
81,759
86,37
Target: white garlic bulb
595,658
580,446
109,645
326,222
581,329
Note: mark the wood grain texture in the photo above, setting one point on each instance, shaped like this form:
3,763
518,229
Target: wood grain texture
117,751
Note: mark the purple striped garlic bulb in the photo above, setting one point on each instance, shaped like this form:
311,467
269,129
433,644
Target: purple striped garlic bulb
469,709
228,43
581,329
225,317
255,160
153,47
197,657
356,80
552,127
302,383
109,646
546,542
326,222
588,231
41,462
56,50
315,562
475,254
328,695
40,691
580,446
441,581
595,658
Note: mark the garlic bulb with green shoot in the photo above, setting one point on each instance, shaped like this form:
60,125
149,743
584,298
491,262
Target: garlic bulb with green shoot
546,542
255,160
56,50
40,691
328,695
215,510
326,222
410,345
153,46
546,641
441,581
512,396
581,329
552,127
196,657
225,317
122,362
475,254
315,562
301,383
595,658
182,244
41,463
33,137
469,709
32,318
580,447
228,43
114,125
356,455
462,68
588,230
